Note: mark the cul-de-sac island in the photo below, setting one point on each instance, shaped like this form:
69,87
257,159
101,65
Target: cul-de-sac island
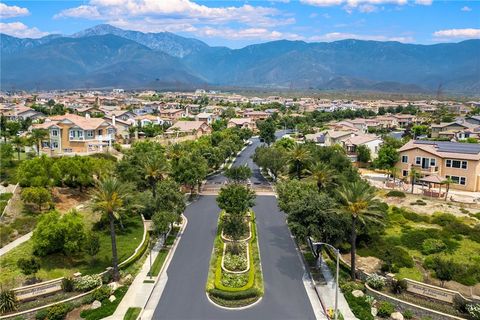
269,160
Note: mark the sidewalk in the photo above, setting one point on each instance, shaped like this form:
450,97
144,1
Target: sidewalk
327,291
12,245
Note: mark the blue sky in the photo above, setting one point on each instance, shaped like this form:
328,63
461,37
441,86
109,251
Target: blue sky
239,23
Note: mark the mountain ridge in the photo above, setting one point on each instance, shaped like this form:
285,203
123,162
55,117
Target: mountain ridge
165,58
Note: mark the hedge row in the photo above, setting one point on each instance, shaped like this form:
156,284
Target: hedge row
236,295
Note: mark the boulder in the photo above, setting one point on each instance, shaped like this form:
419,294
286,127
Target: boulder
113,286
396,316
112,298
128,279
95,305
374,311
357,293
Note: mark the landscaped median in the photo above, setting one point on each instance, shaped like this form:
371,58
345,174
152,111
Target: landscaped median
235,274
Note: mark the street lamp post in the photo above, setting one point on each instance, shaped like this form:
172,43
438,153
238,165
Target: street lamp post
316,247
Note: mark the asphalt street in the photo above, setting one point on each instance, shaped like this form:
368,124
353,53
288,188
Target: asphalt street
184,295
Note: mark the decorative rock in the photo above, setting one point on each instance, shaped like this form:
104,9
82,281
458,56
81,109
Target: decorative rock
357,293
374,311
113,286
112,298
396,316
128,279
95,305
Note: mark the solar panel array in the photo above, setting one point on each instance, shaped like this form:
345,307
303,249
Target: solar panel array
457,147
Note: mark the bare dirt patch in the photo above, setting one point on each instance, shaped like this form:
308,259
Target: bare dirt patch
367,264
67,199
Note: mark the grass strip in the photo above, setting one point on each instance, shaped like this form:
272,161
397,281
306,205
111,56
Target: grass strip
132,313
107,308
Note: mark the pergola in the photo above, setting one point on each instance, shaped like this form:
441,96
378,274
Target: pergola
433,180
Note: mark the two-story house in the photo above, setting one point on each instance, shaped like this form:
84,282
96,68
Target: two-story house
458,161
247,123
72,133
189,128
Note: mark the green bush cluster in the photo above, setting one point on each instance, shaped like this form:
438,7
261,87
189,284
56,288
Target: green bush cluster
396,193
359,306
56,312
385,309
102,293
87,283
107,308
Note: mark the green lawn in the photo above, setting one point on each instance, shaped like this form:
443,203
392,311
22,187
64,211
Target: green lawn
132,313
58,265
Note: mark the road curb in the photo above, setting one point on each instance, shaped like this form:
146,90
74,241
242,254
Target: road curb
233,308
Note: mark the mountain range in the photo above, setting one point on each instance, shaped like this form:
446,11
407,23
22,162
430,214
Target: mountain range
106,57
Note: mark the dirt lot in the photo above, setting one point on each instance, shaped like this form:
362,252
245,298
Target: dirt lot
67,199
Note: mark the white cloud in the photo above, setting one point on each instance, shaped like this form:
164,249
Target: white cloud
468,33
20,30
246,34
334,36
179,10
466,9
424,2
12,11
365,6
86,12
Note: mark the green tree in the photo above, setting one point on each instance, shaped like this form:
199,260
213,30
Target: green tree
357,201
6,154
363,154
444,269
38,172
388,156
267,131
419,130
299,158
38,196
162,221
190,170
57,233
448,181
238,174
274,159
235,199
414,176
92,244
109,198
228,113
29,266
19,143
322,175
38,135
156,168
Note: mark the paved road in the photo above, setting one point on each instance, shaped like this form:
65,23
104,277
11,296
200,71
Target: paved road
184,295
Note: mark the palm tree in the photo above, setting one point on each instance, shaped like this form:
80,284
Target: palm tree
38,135
156,168
108,198
394,173
132,130
358,202
299,158
18,142
447,181
322,174
414,175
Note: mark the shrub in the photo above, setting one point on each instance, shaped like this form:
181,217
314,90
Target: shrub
396,193
430,246
67,284
8,301
102,293
376,282
399,286
56,312
415,217
107,277
474,311
232,280
460,304
87,283
385,309
28,266
359,306
395,258
407,314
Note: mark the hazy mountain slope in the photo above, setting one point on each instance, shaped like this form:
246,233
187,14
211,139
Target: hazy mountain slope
99,61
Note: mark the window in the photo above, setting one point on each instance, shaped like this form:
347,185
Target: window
89,133
80,134
54,145
418,160
68,150
433,162
55,132
458,180
456,164
110,131
405,173
72,134
100,132
405,159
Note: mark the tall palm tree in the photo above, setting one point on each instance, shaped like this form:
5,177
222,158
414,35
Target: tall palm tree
108,198
323,175
18,142
414,175
156,168
38,135
448,181
299,158
394,173
358,202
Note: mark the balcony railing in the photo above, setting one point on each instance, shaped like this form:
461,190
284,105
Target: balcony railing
429,169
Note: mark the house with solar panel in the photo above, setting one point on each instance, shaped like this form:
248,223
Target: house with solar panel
436,161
